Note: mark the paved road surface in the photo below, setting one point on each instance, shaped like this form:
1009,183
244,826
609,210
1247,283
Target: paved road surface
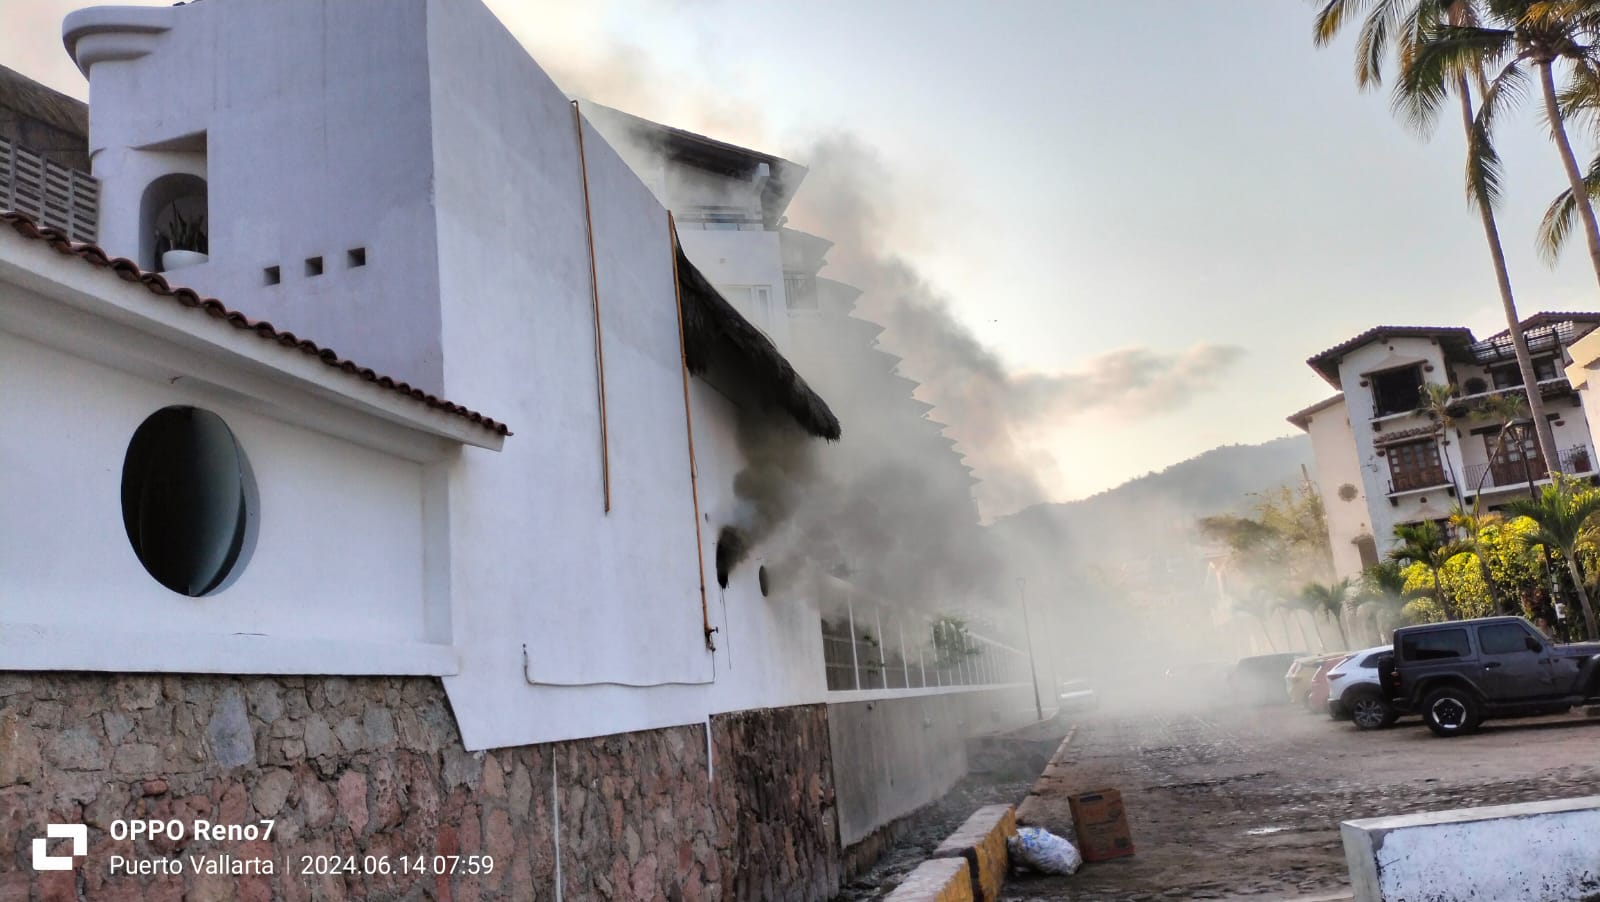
1246,802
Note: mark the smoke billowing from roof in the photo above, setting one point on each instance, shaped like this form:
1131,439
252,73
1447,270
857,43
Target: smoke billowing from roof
1002,418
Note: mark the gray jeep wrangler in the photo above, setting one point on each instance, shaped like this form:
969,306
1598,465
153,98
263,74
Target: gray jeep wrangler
1459,673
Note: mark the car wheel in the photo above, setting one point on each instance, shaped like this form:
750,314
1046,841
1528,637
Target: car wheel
1450,711
1369,711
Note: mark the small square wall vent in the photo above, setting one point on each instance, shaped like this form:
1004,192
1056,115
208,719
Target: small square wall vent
356,256
271,275
313,266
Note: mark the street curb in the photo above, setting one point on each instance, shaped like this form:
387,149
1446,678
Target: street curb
1054,773
981,843
936,880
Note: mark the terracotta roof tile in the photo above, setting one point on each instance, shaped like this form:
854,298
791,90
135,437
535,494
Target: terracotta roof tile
1327,363
1400,435
129,271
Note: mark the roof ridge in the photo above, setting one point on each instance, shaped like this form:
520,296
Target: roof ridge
158,285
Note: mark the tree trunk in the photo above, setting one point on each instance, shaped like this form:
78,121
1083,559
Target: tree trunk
1438,593
1322,644
1558,133
1519,342
1583,594
1490,584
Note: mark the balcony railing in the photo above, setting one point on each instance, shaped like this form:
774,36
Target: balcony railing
1577,460
52,194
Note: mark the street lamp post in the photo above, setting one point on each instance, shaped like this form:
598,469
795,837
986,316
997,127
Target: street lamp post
1022,598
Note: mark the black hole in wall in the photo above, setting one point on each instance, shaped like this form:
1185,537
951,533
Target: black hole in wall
271,275
188,500
761,579
313,266
356,257
731,549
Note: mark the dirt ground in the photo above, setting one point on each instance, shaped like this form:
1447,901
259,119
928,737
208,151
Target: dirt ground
1246,802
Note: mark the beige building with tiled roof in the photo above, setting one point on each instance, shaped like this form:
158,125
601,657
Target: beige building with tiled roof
1382,462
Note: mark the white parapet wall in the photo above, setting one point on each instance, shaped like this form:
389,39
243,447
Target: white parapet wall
1535,850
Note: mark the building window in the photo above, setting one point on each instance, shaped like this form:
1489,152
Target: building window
1396,391
188,500
1367,548
1414,465
1514,458
1544,369
754,301
800,292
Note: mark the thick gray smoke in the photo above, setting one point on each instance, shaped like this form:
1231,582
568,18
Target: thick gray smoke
893,508
1001,418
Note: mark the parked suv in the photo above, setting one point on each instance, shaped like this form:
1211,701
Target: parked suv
1457,674
1354,693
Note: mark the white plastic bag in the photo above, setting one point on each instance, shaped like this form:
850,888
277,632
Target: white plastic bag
1040,850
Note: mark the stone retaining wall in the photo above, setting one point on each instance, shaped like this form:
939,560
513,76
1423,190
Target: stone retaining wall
374,768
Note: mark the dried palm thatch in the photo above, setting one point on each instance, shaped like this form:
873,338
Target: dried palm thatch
725,348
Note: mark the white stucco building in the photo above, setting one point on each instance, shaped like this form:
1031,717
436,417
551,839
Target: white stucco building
443,398
1381,462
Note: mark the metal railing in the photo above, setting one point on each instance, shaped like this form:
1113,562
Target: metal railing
1418,479
856,656
1577,460
52,194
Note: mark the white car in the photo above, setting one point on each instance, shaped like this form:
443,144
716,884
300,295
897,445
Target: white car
1354,692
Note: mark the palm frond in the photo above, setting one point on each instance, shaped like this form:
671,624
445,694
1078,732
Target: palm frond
1444,55
1562,216
1579,97
1483,161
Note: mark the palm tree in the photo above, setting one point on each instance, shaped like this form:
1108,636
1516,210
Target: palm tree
1435,401
1260,605
1381,594
1532,33
1425,543
1400,24
1561,514
1471,527
1336,599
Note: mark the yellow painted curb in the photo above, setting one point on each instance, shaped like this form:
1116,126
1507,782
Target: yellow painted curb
981,842
936,880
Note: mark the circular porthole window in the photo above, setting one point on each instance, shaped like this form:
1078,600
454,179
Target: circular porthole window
188,500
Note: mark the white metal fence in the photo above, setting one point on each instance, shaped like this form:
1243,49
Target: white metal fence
52,194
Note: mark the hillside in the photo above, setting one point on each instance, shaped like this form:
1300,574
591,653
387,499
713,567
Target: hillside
1165,504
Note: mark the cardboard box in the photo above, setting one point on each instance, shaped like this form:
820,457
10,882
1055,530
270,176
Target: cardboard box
1101,825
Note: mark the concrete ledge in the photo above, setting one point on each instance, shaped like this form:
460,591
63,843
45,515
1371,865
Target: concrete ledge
936,880
981,842
1535,850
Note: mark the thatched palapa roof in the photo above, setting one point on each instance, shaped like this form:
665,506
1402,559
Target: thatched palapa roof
719,342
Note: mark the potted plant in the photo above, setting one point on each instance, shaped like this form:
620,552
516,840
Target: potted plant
182,243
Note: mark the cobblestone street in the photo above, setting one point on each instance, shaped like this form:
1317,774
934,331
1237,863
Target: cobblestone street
1246,802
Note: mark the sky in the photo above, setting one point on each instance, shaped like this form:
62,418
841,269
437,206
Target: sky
1086,183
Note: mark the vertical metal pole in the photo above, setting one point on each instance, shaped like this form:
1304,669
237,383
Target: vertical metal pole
855,664
1022,597
883,662
905,666
688,427
594,288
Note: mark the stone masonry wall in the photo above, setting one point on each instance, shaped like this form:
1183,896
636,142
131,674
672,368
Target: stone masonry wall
774,777
374,767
